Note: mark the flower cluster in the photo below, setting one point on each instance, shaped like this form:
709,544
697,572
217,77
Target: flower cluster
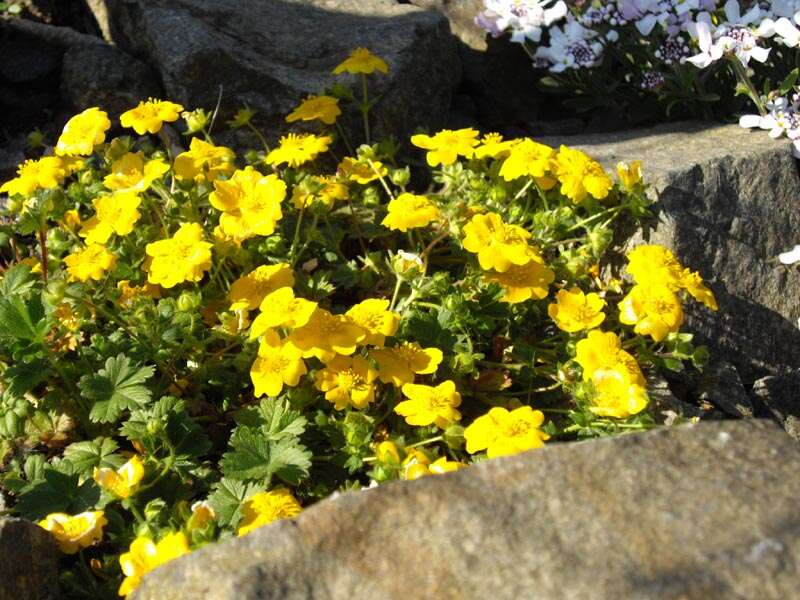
644,56
195,344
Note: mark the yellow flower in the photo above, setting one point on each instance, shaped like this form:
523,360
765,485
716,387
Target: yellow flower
428,405
183,257
328,192
83,132
616,395
128,293
363,61
501,432
693,283
527,159
630,174
90,263
131,173
71,220
114,213
601,351
654,310
248,292
324,108
387,452
415,464
523,282
409,211
204,162
297,149
144,556
202,515
420,466
150,115
45,174
347,381
497,244
124,481
580,176
326,335
73,532
279,362
445,147
362,171
574,311
493,146
264,508
654,265
375,318
442,465
281,309
398,365
250,203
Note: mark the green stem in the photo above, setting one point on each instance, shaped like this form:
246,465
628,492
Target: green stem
365,106
346,141
396,293
438,438
741,74
296,239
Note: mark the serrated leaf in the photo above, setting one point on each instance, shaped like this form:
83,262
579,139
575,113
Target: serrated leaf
22,377
116,388
17,280
56,492
23,319
85,456
227,499
254,458
275,418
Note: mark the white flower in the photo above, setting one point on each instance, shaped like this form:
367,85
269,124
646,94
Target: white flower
523,18
709,52
571,47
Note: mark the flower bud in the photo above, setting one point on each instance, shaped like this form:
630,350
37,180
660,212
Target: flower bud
188,301
196,120
401,177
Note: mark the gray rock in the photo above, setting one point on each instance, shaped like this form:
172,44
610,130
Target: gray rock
29,565
461,14
101,75
727,205
86,70
721,386
666,406
691,512
270,54
781,395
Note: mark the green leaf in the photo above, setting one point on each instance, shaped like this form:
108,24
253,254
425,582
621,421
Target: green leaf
788,83
22,319
85,456
22,377
255,458
57,492
227,499
275,418
16,281
116,388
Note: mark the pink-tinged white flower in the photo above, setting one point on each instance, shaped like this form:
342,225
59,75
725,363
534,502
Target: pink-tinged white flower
572,46
523,18
734,37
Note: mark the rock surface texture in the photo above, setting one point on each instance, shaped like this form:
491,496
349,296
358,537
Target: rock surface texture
781,396
691,512
727,205
28,562
270,54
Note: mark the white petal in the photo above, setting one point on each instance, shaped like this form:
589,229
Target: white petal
749,121
701,60
646,24
760,54
732,13
790,257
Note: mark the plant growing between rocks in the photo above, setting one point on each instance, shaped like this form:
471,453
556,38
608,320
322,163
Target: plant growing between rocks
196,344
